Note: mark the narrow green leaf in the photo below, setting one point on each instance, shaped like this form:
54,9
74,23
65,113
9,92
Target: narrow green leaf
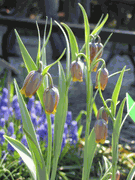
47,39
119,119
24,153
87,32
38,157
45,81
116,92
80,131
29,63
106,176
73,42
28,126
49,66
108,164
95,109
130,103
80,115
99,28
44,49
39,44
60,118
91,149
131,174
11,91
62,90
68,73
68,52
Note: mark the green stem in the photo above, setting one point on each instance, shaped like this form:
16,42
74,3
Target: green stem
114,154
88,121
50,80
49,149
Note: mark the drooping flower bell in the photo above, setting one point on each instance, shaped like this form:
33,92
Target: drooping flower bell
77,71
93,49
31,83
99,47
103,78
101,130
51,98
102,114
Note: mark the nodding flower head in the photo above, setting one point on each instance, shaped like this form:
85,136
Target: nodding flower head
102,114
31,83
51,99
77,71
103,78
93,50
100,129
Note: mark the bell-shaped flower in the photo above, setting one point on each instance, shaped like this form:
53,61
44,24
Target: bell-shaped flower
31,83
93,50
51,99
100,129
99,46
77,71
102,114
103,78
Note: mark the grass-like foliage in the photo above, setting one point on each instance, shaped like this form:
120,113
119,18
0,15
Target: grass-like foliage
42,162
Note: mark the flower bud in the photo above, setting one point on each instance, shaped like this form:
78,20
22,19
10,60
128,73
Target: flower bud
93,50
31,83
77,71
99,46
102,114
100,129
103,78
51,99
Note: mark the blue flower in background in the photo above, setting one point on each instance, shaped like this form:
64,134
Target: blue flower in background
66,129
73,132
24,141
42,119
10,129
34,119
15,101
4,102
5,93
39,121
63,141
2,132
52,118
2,122
31,103
69,118
4,112
9,147
42,132
17,111
38,108
10,111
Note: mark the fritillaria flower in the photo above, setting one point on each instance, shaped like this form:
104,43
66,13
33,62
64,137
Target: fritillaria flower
99,47
102,114
51,99
77,71
31,83
100,129
103,78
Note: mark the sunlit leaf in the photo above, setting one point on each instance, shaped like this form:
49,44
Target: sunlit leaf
24,153
130,104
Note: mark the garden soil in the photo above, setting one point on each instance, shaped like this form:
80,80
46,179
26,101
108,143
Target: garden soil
77,91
